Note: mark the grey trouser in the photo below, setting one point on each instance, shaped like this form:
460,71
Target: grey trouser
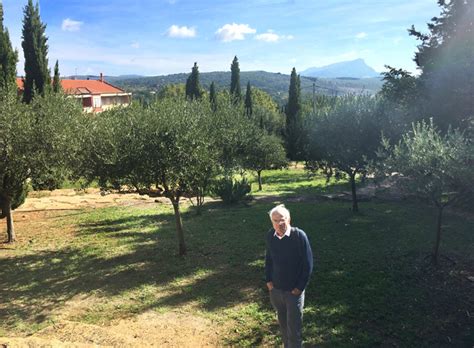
290,315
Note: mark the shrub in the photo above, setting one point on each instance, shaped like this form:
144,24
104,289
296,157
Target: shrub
231,191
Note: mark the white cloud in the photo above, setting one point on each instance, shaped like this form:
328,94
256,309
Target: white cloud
181,32
231,32
361,35
71,25
135,45
270,36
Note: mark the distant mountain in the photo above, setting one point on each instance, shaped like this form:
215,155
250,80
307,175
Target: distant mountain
355,68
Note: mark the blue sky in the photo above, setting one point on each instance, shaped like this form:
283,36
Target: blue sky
157,37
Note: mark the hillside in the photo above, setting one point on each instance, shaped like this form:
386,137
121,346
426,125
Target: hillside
275,84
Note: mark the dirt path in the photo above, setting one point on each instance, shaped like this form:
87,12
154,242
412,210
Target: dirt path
148,329
69,199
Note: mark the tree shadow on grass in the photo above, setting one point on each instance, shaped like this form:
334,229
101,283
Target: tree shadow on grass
367,289
372,286
216,273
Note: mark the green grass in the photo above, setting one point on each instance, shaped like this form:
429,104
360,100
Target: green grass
78,184
295,182
372,285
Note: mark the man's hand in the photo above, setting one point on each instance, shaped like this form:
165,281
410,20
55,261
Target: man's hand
296,292
270,286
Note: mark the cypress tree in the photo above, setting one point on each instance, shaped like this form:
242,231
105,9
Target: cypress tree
8,57
293,117
188,90
213,97
235,81
35,49
56,80
193,87
248,101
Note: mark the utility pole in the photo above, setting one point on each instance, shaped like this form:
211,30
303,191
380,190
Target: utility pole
314,98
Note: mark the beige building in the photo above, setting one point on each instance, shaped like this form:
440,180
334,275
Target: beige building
94,95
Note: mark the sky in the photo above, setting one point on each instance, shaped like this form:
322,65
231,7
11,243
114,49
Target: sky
160,37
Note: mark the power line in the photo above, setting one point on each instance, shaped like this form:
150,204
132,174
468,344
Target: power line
314,79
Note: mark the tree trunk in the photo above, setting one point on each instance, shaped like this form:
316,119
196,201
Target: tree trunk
438,235
355,206
8,214
259,175
199,203
179,227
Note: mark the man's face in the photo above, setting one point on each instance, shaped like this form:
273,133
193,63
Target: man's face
280,223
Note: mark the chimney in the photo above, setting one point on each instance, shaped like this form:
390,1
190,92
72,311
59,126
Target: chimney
101,77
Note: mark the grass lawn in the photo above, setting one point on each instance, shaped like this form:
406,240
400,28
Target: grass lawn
372,284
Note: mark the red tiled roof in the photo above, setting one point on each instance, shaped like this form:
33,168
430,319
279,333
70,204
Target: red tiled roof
19,83
82,86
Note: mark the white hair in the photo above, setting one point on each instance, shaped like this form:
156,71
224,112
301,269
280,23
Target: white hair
280,210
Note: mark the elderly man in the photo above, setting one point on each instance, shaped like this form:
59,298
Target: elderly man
288,266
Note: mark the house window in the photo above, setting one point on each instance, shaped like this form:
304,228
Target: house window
96,101
108,101
87,102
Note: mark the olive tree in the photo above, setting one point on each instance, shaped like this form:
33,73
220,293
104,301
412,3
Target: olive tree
166,149
436,167
177,151
345,137
112,148
266,152
234,136
174,148
32,138
15,150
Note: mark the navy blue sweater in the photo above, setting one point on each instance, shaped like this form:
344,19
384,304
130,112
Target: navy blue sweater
288,261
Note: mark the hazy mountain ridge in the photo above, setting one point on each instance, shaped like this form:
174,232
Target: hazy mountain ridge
353,69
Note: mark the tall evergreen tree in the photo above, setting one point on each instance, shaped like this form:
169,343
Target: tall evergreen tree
8,57
248,101
235,91
213,96
445,58
294,124
35,49
188,88
193,87
56,80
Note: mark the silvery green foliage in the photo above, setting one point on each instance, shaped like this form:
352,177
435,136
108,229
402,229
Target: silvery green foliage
16,149
344,137
439,167
33,139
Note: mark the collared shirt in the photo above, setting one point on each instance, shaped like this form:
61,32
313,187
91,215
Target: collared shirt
287,233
